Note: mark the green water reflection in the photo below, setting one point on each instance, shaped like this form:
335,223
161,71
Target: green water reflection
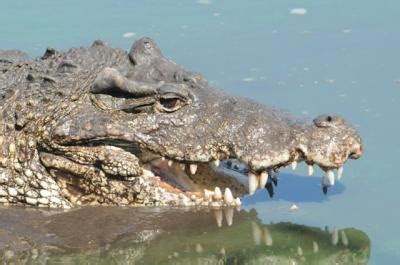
170,236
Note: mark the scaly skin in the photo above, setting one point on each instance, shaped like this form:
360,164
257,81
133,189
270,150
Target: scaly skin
86,126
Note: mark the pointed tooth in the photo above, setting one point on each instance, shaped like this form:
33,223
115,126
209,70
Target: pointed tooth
267,237
238,202
162,158
331,177
193,169
294,165
182,166
229,215
170,162
228,197
253,183
216,162
339,173
274,178
315,247
310,170
275,181
218,217
324,183
263,179
270,188
343,238
217,194
335,237
257,233
208,194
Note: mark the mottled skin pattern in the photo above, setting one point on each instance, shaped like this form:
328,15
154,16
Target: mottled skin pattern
83,127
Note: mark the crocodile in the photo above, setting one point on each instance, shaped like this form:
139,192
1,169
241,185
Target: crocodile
103,126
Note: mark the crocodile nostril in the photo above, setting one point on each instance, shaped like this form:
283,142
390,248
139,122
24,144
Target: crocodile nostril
356,154
353,155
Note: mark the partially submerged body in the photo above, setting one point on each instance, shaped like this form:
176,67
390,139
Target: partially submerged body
93,125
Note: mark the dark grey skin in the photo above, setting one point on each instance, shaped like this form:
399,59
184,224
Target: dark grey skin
88,126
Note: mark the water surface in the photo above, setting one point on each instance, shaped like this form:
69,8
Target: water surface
111,235
328,56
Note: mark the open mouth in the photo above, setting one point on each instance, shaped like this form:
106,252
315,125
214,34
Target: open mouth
108,171
231,175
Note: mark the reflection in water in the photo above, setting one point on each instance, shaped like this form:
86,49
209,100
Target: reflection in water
170,236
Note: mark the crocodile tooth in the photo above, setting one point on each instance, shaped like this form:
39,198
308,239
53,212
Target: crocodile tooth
182,166
344,239
335,237
294,165
339,173
218,217
217,194
238,202
208,194
216,162
193,169
270,189
228,215
253,183
170,162
228,197
324,184
263,179
310,170
162,158
315,247
324,180
331,177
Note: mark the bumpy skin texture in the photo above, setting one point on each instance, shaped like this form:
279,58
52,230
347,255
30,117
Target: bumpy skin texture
79,127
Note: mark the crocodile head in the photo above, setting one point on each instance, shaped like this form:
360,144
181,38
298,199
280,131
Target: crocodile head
146,114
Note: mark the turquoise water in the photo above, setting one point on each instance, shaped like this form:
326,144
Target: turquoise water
340,57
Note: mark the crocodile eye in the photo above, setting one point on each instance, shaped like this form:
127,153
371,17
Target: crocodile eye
172,97
170,103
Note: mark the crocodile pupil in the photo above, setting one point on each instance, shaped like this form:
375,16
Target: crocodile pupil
169,103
